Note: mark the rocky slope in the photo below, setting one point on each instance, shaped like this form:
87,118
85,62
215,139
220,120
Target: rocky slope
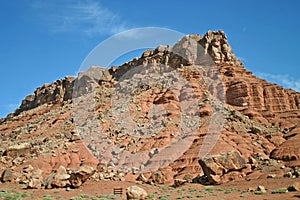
74,121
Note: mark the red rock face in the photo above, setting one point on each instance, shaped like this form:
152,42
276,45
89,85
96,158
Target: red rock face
261,118
268,103
247,93
288,151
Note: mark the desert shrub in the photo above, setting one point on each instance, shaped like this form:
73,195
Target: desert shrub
227,192
258,192
165,197
192,189
209,189
189,196
13,196
85,196
151,196
181,190
48,197
109,196
280,191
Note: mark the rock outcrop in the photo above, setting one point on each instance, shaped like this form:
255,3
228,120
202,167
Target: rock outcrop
57,92
216,44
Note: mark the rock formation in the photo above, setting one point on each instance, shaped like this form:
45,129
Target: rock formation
57,92
260,125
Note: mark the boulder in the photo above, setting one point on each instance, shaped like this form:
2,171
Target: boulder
157,178
58,179
142,178
294,187
216,166
18,150
261,188
8,176
80,175
36,180
27,169
135,192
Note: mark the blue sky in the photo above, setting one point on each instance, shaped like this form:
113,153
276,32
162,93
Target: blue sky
42,41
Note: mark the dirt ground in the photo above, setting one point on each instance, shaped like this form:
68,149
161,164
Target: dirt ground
104,190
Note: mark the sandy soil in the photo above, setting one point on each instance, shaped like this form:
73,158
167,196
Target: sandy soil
232,190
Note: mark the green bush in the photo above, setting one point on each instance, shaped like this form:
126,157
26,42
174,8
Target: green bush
85,196
76,198
258,192
189,196
48,197
165,197
164,187
227,192
151,196
280,191
109,196
181,190
13,196
209,189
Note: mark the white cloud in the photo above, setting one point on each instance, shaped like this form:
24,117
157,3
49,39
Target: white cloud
6,109
12,106
284,80
243,59
84,16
